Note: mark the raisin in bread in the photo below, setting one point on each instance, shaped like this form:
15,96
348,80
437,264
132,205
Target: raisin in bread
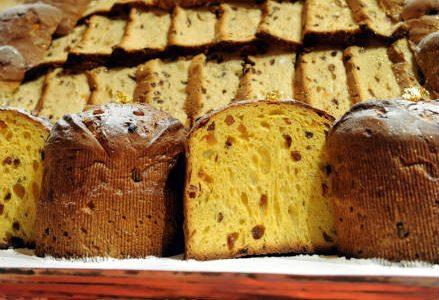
266,74
282,21
112,184
370,74
321,81
384,157
212,83
256,182
22,138
163,84
152,25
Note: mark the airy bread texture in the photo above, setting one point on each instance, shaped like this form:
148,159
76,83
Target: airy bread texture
256,182
22,138
125,159
384,157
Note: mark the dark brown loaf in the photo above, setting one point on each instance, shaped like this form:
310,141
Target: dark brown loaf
29,29
384,158
112,185
427,58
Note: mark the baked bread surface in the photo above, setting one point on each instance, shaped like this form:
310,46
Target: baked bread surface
255,182
110,184
384,157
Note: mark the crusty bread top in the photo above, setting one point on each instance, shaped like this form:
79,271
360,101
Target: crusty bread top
12,64
203,120
397,118
44,123
118,130
427,58
418,8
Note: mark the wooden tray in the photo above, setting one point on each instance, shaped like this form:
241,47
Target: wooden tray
76,283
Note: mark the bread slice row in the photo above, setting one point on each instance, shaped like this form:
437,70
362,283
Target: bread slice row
151,30
189,87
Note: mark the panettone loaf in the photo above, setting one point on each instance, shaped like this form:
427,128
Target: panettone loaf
112,184
22,138
384,162
427,57
256,181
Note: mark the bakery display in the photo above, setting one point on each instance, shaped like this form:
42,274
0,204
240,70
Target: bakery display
125,159
22,138
256,182
385,195
197,60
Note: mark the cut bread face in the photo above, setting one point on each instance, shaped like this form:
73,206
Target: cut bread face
268,75
256,182
329,19
101,36
238,23
162,84
370,14
282,21
58,86
192,28
112,85
146,31
22,138
27,95
370,74
322,83
212,84
60,47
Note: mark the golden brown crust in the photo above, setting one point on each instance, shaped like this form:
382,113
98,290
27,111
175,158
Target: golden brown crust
384,158
427,58
110,186
417,8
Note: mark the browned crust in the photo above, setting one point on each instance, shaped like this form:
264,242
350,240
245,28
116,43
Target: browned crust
37,120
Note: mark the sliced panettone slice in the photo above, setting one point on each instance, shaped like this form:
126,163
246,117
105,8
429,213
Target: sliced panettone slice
22,138
321,81
112,85
147,30
63,93
192,27
238,22
268,74
27,95
282,21
212,83
256,182
60,47
404,68
329,20
101,36
369,13
370,74
162,84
